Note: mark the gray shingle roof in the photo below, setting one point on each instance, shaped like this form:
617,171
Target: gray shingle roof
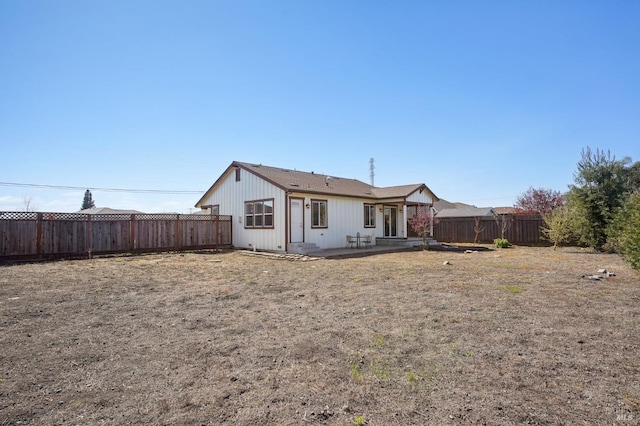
317,183
107,210
466,212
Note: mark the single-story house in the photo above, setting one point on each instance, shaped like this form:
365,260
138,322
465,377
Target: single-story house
276,209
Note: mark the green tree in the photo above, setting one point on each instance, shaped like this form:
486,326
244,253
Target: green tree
602,185
624,231
558,226
87,203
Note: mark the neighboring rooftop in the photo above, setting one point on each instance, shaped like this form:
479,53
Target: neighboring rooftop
107,210
444,204
466,212
505,210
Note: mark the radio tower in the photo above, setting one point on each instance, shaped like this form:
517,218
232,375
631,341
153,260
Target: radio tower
371,172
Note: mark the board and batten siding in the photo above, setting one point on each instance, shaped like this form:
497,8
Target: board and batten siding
420,197
231,195
345,216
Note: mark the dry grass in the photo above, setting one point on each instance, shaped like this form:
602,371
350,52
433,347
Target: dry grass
498,337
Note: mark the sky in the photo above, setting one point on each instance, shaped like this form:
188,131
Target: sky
146,103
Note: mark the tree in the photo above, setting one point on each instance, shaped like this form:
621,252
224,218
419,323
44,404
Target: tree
421,224
624,232
28,204
503,221
87,203
602,185
558,226
478,229
538,200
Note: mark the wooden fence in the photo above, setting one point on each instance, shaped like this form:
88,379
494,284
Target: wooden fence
520,229
27,235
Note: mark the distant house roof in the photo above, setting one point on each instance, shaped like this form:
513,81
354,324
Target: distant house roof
505,210
444,204
107,210
466,212
317,183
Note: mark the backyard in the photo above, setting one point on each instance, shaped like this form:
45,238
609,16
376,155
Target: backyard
514,336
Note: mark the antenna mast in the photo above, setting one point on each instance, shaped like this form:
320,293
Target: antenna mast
371,172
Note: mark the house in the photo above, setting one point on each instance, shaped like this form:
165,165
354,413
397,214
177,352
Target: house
276,209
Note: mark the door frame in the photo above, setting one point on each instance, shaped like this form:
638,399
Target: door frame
290,224
384,220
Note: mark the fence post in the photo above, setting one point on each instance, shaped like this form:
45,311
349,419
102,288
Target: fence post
216,228
89,236
178,233
132,233
39,234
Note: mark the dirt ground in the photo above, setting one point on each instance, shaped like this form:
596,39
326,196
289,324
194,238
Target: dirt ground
498,337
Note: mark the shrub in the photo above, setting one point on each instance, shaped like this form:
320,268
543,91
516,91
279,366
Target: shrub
557,226
624,232
501,243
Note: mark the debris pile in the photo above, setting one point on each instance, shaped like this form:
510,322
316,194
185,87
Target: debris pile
599,275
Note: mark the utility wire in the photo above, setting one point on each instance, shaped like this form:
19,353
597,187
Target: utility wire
82,188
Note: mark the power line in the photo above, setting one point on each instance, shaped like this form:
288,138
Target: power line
82,188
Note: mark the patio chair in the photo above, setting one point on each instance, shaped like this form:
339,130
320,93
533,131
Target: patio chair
366,240
351,240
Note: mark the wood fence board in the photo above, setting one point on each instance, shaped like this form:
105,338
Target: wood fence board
25,235
522,229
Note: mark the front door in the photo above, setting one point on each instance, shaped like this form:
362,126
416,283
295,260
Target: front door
390,221
296,220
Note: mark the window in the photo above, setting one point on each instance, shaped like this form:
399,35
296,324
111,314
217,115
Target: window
258,214
369,216
318,213
214,209
237,174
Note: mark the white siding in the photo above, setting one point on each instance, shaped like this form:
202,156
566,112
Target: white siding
420,197
231,196
345,216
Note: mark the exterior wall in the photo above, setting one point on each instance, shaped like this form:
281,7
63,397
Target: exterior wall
420,197
345,216
231,195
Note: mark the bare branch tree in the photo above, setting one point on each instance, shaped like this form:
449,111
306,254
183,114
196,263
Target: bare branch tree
503,222
477,229
28,204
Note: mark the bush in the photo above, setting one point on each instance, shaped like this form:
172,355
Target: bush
624,232
501,243
558,226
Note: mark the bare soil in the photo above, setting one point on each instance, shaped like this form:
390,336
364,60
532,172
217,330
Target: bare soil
499,337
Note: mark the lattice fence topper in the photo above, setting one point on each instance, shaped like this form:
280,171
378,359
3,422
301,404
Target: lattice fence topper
108,216
204,217
18,216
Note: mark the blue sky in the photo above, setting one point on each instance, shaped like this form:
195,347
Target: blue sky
480,100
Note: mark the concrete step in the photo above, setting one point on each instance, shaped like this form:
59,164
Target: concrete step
302,248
